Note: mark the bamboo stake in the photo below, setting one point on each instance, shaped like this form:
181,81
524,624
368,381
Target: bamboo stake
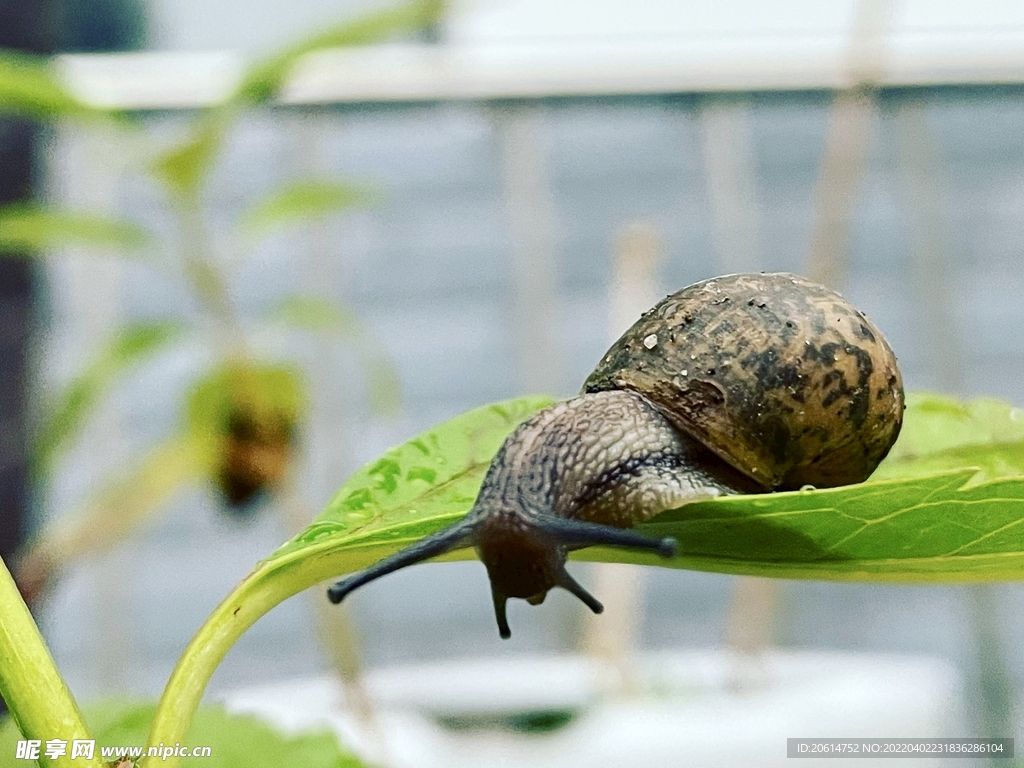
612,638
749,627
850,129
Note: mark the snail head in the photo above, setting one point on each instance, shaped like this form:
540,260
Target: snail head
524,554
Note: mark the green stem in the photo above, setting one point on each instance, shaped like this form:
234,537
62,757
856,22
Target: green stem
36,694
203,275
272,582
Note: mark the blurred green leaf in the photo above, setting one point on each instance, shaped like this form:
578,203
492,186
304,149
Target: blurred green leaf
235,741
29,87
30,228
120,507
937,423
316,315
385,388
184,167
991,461
65,413
263,393
266,391
303,201
941,433
250,412
311,313
265,79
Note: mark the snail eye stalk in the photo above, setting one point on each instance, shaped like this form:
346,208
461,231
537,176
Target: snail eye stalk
579,534
447,539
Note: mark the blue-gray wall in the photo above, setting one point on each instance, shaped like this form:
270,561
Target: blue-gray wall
429,271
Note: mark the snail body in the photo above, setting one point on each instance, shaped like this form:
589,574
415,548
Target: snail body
740,384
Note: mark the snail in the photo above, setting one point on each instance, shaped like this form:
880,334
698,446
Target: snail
746,383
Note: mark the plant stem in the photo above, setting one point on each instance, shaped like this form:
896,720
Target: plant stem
273,582
205,277
270,584
36,694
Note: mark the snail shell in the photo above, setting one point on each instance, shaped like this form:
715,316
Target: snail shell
781,377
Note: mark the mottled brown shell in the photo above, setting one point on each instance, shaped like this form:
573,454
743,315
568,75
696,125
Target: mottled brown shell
781,377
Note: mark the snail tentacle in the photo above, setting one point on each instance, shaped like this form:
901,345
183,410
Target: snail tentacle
500,599
453,537
579,534
568,583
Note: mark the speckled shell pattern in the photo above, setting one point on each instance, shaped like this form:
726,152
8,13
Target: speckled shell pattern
781,377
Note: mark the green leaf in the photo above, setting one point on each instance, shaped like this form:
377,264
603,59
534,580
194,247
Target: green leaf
918,529
926,529
940,434
29,87
383,383
271,394
250,412
265,79
303,201
234,740
67,412
417,487
310,313
929,429
36,228
930,528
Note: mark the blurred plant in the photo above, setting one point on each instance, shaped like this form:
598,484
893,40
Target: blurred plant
242,415
233,740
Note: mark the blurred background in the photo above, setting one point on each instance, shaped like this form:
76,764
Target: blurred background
518,152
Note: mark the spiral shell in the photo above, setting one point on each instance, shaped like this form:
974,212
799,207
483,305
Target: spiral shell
781,377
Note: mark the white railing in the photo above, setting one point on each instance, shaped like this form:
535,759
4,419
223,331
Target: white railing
555,67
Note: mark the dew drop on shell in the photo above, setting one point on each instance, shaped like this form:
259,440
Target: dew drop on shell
651,341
